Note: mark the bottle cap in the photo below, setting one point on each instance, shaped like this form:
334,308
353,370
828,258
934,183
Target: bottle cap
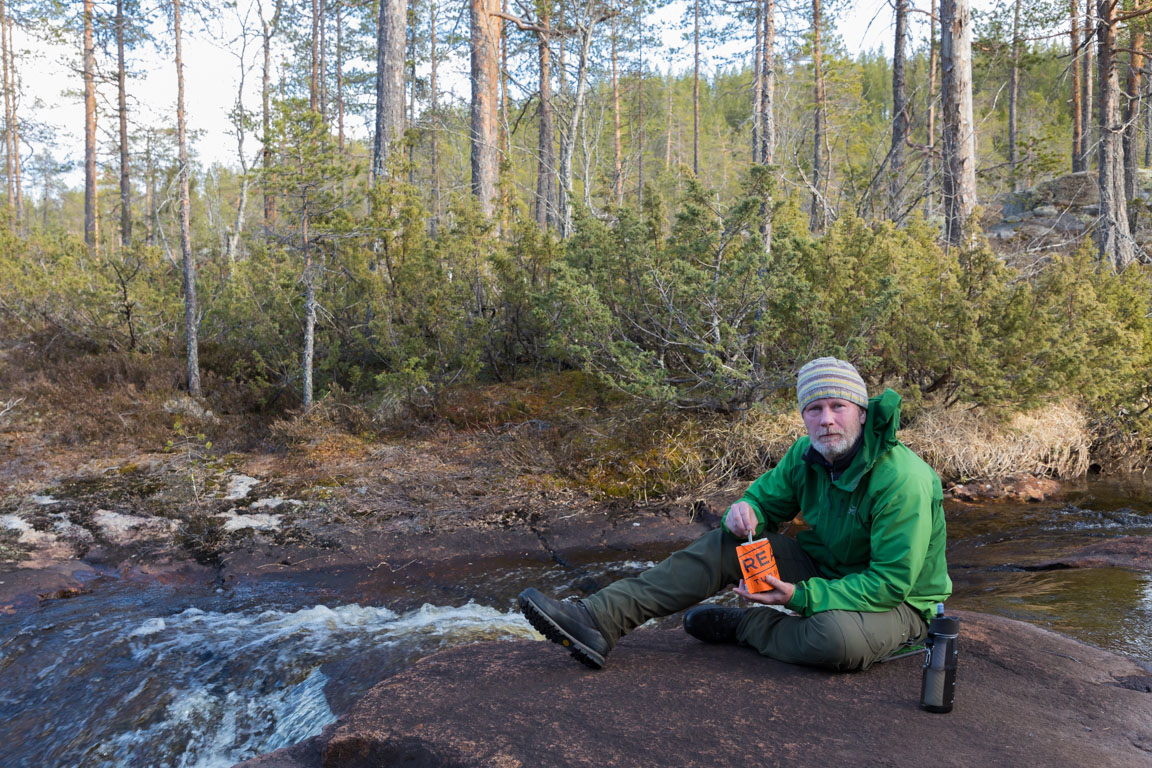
945,625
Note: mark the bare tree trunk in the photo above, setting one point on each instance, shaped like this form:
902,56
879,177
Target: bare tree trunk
485,84
959,134
1134,91
314,72
10,148
121,87
240,124
618,186
1077,114
930,140
1148,122
149,191
1013,97
757,82
639,9
767,109
1112,233
435,125
568,148
390,39
546,139
14,85
340,73
323,69
696,88
668,135
412,103
818,217
1087,101
268,28
191,311
91,224
899,113
309,312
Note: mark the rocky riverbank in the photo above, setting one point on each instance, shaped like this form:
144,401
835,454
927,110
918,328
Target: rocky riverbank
1025,697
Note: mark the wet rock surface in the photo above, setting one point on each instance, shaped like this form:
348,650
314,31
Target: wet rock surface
1025,697
1026,488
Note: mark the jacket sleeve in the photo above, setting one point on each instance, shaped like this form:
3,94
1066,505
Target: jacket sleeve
900,533
773,495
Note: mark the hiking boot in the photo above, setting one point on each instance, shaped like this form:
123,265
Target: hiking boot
567,623
714,623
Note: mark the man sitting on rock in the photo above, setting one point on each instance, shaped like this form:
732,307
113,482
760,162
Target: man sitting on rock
862,580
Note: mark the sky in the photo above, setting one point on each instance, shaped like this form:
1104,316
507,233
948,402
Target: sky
53,90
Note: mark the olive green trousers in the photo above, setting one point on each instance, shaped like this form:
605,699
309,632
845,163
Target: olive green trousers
838,640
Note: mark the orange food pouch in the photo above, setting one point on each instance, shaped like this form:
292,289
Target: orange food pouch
756,560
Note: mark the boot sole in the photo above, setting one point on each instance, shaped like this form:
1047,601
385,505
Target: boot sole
543,624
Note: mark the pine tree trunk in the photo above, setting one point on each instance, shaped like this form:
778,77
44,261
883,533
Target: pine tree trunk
91,223
1087,82
323,68
340,74
390,40
1134,90
485,84
1112,232
125,182
9,145
268,28
546,138
930,139
435,126
309,312
959,134
1013,98
618,185
899,113
768,114
191,310
411,119
696,88
568,150
818,217
1074,67
14,84
757,82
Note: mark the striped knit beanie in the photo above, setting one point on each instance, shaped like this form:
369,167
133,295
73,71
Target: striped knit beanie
829,377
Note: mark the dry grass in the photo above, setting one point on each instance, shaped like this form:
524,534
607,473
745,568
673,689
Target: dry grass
963,443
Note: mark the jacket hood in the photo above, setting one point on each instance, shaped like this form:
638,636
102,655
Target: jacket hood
879,436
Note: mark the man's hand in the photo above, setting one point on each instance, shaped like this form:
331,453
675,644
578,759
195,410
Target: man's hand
741,519
780,594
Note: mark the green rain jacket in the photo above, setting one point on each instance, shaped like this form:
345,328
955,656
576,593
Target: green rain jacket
876,532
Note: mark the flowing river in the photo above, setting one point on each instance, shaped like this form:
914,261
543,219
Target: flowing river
164,676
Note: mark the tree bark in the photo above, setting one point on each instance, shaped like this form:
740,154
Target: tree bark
314,72
485,83
696,88
899,113
1077,114
268,28
10,148
309,312
959,134
1013,97
14,85
618,179
435,123
930,139
340,73
91,224
1087,82
191,311
1112,233
1134,91
390,39
757,82
121,87
767,108
546,138
818,217
568,149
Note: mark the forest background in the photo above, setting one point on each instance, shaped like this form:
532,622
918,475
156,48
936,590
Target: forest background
620,262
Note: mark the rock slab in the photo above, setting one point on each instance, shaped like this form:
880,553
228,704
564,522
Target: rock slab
1025,697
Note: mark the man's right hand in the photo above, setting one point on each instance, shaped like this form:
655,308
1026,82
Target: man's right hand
741,519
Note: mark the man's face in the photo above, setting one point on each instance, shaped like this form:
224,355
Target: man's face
833,425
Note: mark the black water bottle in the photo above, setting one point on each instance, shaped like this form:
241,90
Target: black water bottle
938,688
